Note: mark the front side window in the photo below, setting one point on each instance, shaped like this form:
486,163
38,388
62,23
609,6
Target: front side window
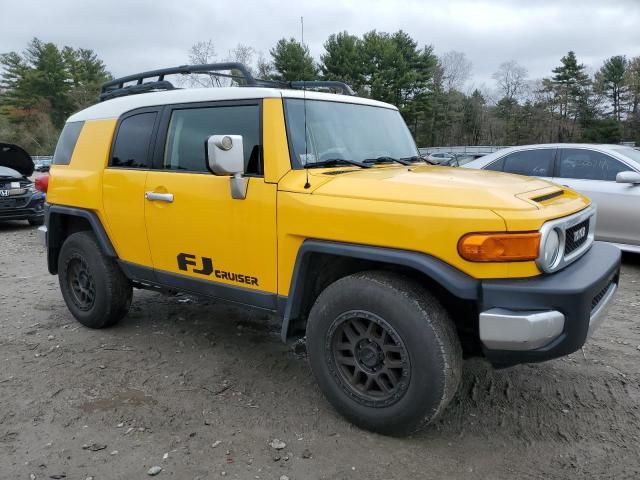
133,140
534,163
345,131
589,165
190,128
67,143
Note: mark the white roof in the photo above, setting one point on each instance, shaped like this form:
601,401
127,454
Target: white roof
117,106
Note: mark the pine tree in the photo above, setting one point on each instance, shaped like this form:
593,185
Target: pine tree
611,80
570,85
343,59
292,61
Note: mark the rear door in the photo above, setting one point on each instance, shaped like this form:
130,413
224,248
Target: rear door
593,174
123,185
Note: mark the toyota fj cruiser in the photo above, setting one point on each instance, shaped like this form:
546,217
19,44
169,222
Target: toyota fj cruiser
316,206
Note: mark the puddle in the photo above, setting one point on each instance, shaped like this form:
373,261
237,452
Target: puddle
130,397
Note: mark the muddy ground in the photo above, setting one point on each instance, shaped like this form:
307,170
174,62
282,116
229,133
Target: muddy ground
201,389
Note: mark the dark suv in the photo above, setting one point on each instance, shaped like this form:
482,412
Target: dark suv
19,200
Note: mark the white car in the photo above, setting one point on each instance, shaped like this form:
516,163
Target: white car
608,174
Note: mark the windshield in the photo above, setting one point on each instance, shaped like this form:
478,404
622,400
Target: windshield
345,131
629,152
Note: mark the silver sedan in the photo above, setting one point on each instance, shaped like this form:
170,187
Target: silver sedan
608,174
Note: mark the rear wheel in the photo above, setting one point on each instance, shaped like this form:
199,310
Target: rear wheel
384,352
94,288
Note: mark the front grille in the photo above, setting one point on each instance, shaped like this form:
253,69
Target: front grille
596,300
576,236
12,202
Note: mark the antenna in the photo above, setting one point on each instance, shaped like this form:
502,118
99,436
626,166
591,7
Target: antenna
304,103
306,147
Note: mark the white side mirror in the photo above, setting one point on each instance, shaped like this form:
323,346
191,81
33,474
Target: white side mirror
628,177
225,154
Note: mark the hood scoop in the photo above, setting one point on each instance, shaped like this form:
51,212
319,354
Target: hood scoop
14,157
548,196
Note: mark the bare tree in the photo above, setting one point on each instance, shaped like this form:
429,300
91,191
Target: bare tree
199,54
456,69
511,78
241,54
264,67
202,52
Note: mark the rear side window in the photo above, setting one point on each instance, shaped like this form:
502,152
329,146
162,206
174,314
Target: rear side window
67,143
131,148
190,128
535,163
589,165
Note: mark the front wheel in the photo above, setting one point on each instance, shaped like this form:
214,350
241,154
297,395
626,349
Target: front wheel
384,352
94,288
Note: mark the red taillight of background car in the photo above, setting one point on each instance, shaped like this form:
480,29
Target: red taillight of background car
42,183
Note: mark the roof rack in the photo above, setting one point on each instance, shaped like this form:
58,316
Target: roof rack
116,88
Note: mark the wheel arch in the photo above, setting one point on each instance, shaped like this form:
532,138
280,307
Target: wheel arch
62,221
320,263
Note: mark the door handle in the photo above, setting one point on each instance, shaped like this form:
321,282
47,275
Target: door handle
159,197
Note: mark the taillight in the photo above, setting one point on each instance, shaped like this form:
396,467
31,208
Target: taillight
42,183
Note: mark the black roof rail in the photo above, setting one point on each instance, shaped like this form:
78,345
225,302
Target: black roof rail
116,88
304,84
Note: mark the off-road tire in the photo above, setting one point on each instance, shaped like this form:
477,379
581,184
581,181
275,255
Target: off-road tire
418,326
83,268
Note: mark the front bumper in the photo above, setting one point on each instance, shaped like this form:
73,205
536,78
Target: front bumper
24,209
545,317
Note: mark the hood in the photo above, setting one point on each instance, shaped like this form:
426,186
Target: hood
432,185
14,157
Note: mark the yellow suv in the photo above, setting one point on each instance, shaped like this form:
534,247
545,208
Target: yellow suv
316,206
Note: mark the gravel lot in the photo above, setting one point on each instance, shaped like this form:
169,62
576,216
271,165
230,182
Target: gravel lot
201,389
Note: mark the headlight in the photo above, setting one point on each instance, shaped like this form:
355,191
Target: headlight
550,249
31,188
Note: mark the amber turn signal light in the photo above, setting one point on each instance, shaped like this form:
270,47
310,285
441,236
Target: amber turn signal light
499,247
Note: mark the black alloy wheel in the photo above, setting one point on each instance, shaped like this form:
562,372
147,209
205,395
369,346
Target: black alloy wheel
371,358
81,283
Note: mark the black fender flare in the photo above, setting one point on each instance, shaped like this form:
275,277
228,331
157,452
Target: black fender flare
455,281
56,234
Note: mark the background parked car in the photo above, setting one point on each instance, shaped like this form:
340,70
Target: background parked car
449,159
439,158
608,174
42,165
19,199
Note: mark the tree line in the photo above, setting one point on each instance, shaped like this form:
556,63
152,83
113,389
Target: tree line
43,85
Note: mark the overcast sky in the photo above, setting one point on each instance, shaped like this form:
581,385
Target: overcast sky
132,36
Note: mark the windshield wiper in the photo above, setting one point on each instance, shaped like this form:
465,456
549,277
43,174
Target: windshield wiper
337,161
385,158
415,158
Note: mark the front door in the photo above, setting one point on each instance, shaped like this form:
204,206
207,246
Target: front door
201,239
593,174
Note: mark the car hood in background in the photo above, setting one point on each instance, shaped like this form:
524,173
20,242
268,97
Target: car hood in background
14,157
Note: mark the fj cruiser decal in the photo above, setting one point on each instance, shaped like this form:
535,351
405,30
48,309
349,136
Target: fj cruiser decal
188,262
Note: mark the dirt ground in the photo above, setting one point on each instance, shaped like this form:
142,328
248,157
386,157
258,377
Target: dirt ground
201,389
